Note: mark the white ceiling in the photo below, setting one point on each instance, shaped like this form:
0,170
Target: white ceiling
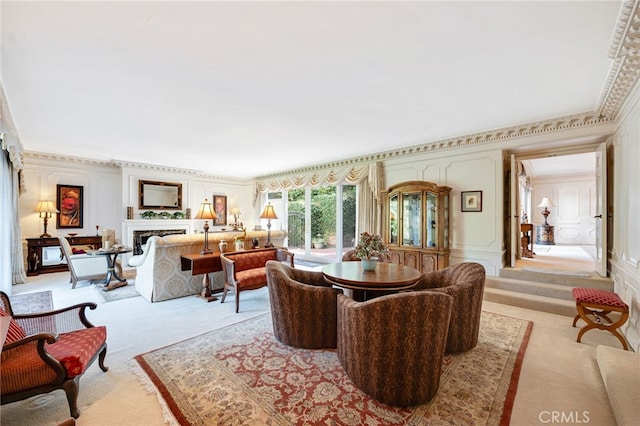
250,88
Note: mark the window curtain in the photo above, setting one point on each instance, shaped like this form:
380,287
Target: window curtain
367,177
11,186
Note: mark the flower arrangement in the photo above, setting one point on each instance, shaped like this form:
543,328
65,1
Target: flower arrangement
370,245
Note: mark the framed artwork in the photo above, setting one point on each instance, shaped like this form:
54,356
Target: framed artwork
220,206
471,201
69,202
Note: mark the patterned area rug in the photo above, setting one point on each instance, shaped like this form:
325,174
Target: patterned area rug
120,293
240,375
28,303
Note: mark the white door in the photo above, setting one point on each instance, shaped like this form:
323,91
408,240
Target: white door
601,209
514,221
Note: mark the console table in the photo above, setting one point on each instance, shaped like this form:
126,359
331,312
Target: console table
34,252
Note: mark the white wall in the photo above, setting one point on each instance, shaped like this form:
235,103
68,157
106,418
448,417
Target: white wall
625,205
575,203
475,236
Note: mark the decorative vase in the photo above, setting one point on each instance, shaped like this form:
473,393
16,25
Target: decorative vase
223,246
369,264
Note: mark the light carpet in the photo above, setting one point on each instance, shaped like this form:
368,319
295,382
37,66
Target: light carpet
583,274
240,375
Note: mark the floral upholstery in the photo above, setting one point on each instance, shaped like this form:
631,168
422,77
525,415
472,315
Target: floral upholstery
392,347
465,283
303,307
75,349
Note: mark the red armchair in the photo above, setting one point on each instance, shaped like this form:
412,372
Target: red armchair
48,351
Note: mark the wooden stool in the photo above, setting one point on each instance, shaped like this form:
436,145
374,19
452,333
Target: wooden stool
599,303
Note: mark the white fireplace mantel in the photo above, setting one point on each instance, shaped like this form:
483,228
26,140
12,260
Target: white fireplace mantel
128,226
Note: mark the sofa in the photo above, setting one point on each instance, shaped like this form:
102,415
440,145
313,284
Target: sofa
246,270
159,275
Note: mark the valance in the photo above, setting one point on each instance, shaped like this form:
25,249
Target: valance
8,133
316,178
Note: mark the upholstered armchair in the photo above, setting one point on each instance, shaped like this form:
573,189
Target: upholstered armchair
303,307
84,266
465,283
48,351
392,347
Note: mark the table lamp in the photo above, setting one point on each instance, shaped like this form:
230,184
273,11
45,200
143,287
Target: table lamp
235,212
206,212
268,213
546,202
45,210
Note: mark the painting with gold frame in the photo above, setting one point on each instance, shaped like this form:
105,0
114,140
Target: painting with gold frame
220,206
69,202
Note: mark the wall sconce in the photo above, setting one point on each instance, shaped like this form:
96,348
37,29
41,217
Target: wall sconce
45,210
235,212
206,212
546,202
268,213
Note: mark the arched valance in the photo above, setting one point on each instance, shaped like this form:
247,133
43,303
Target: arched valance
8,133
315,178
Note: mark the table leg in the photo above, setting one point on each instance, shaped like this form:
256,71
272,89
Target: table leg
111,273
206,289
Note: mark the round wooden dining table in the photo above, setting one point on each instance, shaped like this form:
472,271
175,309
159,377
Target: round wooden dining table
387,277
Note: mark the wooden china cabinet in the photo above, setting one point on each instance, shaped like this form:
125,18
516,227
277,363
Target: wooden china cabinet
416,225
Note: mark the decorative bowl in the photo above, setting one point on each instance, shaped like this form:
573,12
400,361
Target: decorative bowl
72,234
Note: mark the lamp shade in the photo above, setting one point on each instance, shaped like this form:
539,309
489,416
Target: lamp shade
206,211
45,206
269,212
546,202
235,211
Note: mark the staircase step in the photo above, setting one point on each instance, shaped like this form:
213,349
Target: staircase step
530,301
551,277
556,291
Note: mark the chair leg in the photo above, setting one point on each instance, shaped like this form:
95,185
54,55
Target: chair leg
101,358
237,300
71,389
224,294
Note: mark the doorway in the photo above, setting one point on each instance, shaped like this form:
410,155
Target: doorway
570,182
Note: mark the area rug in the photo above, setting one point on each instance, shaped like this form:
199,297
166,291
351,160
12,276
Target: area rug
28,303
120,293
240,375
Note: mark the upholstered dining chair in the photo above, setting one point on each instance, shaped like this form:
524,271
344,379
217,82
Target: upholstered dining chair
392,347
303,307
48,351
465,283
83,266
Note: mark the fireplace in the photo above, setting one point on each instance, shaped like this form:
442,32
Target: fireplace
140,237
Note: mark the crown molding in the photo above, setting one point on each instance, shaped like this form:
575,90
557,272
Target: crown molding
65,159
625,53
498,135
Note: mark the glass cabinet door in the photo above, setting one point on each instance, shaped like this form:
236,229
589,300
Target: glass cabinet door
411,219
393,219
431,219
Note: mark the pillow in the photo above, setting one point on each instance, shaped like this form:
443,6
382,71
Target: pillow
77,251
15,332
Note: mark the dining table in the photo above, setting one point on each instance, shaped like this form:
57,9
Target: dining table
385,278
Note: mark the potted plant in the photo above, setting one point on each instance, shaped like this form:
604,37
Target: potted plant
318,241
368,248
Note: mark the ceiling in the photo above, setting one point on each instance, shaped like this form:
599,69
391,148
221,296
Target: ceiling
246,89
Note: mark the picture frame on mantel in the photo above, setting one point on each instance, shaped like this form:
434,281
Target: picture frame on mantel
471,201
220,206
69,202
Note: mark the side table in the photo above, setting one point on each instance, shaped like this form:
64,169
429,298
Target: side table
112,255
202,264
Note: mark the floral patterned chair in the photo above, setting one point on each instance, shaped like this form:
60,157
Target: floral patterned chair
303,307
48,351
392,347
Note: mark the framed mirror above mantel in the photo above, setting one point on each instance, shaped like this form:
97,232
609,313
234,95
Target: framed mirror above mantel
156,195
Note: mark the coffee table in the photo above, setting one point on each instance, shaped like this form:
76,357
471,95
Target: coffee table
387,277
